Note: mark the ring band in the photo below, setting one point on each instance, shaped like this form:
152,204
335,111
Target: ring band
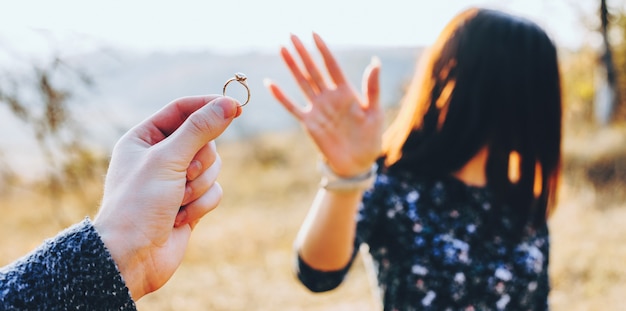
241,78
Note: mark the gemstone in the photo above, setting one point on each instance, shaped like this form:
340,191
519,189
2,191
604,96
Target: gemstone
240,77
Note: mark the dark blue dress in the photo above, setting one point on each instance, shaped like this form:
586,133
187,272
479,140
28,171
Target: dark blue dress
438,244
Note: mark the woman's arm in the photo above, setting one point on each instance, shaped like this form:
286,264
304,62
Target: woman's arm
346,127
325,240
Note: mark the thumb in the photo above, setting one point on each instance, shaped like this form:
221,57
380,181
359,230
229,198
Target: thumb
201,127
371,88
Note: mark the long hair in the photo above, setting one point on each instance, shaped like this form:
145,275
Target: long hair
491,80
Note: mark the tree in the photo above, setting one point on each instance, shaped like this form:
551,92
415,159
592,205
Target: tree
39,93
617,32
607,90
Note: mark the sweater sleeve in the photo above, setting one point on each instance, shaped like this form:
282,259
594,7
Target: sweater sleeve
72,271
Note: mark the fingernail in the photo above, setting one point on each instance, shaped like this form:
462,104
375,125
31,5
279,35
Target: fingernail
224,107
180,217
187,195
375,61
194,169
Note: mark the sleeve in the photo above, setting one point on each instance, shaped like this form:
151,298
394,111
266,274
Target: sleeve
72,271
321,281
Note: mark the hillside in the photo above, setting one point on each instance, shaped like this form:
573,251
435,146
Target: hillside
128,87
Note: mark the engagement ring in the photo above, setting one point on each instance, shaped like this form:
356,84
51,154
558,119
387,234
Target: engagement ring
241,78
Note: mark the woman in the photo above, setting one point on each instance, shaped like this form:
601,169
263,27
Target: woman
455,215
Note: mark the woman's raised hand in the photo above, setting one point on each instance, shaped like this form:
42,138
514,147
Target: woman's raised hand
345,126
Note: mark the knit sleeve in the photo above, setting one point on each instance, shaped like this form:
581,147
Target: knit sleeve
72,271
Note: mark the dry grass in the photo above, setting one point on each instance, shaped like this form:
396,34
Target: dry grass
588,229
240,256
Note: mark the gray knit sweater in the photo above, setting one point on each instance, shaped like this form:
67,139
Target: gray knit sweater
72,271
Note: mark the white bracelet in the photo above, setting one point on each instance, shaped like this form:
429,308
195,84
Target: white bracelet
331,181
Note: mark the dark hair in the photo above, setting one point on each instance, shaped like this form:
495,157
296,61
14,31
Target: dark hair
491,80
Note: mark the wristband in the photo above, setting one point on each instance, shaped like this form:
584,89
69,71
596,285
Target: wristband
331,181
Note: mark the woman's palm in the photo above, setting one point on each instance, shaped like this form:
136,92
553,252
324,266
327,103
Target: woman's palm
345,127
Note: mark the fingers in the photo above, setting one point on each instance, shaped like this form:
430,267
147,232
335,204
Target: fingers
167,120
300,78
310,80
200,127
202,160
331,64
315,78
191,213
283,99
371,84
197,187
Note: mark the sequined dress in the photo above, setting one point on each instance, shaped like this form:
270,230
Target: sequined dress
438,244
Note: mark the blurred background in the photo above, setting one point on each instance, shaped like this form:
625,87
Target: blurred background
75,75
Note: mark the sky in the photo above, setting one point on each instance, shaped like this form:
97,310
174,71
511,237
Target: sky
249,25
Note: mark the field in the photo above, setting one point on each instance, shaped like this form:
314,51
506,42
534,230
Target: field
240,256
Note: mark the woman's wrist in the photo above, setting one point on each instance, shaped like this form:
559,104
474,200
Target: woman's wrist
332,181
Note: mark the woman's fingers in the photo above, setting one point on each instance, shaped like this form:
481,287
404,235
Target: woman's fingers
371,85
311,81
332,66
315,78
309,78
301,79
280,96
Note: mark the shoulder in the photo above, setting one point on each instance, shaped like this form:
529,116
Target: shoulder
393,191
433,186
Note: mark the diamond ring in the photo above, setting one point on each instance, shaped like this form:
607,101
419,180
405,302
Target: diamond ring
241,78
